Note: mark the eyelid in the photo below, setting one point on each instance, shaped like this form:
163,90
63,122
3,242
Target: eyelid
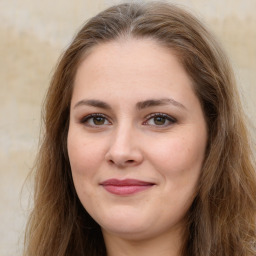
160,114
84,119
171,119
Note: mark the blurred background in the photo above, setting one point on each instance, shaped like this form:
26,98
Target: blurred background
33,34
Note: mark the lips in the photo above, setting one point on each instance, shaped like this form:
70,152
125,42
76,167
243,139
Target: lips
125,187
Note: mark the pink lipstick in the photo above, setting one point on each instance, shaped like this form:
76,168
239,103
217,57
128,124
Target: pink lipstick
125,187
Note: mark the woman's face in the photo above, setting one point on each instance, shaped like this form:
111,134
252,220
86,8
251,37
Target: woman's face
136,140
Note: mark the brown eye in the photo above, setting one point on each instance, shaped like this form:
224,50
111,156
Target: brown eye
159,120
95,120
98,120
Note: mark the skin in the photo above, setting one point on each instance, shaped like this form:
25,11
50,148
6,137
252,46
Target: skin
130,139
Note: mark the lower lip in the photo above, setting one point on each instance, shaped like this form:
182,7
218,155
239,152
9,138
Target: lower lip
126,189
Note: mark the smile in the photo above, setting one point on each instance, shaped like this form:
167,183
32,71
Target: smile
125,187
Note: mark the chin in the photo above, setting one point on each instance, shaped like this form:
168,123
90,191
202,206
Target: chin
125,224
128,231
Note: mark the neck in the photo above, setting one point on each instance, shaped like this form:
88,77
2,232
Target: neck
164,245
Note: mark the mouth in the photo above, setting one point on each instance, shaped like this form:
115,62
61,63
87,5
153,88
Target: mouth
126,187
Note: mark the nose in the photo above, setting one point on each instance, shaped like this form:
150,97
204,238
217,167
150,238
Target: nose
124,149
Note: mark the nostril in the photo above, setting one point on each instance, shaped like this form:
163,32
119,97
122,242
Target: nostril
128,162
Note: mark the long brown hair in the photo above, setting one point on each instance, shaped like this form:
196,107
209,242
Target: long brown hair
221,220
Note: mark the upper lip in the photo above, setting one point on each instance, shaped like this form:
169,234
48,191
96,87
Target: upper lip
126,182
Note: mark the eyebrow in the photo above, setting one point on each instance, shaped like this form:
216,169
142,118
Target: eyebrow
140,105
158,102
93,103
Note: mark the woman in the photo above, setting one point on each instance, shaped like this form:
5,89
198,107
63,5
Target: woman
145,150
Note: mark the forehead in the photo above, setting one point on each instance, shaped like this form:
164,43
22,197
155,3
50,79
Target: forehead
135,67
122,58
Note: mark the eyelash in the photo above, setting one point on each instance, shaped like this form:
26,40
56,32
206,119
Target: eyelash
171,120
85,120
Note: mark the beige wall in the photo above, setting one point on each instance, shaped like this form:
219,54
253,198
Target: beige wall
33,34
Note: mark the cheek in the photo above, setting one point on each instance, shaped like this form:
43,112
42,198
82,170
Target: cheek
180,156
179,152
83,161
85,157
179,162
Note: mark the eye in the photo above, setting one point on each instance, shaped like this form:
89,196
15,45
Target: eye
159,119
94,120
